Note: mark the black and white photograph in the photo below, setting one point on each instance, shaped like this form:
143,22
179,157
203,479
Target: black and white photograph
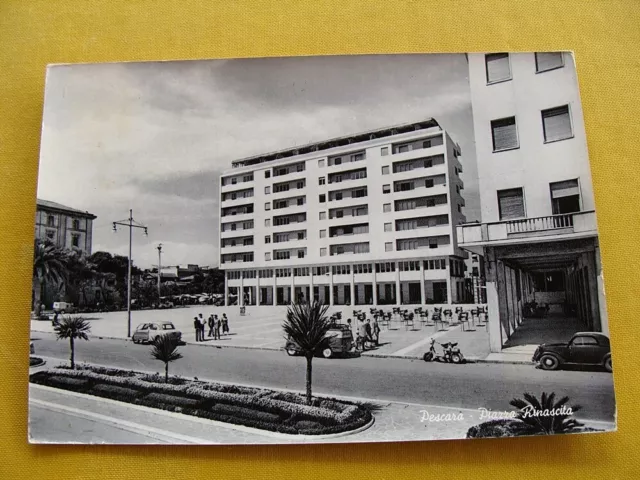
328,249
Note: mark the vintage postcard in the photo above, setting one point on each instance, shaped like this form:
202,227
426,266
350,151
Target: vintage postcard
317,249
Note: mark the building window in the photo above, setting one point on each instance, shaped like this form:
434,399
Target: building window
546,61
556,123
300,253
385,170
387,227
384,151
267,256
321,163
321,180
75,224
386,207
386,188
267,173
267,239
337,161
427,144
565,197
433,243
428,183
388,246
300,184
300,201
267,206
267,190
51,221
504,133
50,234
323,233
403,148
323,252
498,67
323,215
338,196
511,203
322,198
267,222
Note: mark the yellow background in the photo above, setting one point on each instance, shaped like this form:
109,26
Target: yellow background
605,36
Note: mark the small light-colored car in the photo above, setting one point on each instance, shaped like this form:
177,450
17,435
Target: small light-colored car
147,332
338,341
63,307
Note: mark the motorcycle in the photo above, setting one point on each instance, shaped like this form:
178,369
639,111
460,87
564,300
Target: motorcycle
450,353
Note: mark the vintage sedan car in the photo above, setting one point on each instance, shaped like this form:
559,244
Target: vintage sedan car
337,341
584,348
147,332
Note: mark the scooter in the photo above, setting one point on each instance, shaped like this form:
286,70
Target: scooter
450,353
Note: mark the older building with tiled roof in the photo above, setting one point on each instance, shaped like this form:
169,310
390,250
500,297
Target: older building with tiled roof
66,227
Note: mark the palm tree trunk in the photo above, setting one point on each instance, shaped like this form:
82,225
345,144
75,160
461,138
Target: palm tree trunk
37,296
166,372
309,359
72,355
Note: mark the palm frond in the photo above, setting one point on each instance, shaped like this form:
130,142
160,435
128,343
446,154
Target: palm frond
72,327
307,325
165,349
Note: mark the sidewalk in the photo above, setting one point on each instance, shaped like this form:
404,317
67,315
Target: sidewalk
262,328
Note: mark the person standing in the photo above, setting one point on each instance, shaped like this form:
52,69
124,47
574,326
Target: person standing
362,334
202,326
196,326
376,331
211,323
367,327
216,328
225,322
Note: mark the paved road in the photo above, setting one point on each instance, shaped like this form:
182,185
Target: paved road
471,386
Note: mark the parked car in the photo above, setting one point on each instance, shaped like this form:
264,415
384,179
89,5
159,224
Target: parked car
147,332
63,307
584,348
338,341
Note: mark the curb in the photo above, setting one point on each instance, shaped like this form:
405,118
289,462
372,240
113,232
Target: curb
272,349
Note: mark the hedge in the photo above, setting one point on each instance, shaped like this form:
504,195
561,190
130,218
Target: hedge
283,412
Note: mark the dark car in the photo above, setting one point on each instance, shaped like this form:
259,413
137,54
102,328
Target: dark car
338,340
584,348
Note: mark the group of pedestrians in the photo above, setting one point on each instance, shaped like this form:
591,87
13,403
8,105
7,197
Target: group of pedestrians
367,331
217,326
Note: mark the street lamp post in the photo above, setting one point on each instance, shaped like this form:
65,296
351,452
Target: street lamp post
131,223
159,247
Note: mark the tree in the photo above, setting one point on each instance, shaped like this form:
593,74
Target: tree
49,266
72,328
165,349
558,422
307,325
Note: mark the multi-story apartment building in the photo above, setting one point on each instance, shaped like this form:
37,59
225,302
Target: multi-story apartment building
64,226
365,219
538,230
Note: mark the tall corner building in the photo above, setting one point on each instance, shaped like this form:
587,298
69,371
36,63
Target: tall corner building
538,230
366,219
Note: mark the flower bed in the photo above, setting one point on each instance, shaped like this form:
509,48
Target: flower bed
282,412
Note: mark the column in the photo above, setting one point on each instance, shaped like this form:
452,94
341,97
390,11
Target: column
398,291
311,294
353,285
375,285
226,288
292,296
258,292
331,286
602,303
274,298
448,276
422,293
241,292
493,303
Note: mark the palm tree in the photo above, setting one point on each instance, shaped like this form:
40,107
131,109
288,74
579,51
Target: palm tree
546,424
72,328
165,349
49,265
306,325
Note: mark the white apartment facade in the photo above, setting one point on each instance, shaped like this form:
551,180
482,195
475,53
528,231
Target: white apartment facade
538,230
366,219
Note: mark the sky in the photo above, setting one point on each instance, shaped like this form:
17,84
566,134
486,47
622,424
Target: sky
155,136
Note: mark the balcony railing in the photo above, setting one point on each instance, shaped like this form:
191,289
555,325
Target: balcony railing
563,224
